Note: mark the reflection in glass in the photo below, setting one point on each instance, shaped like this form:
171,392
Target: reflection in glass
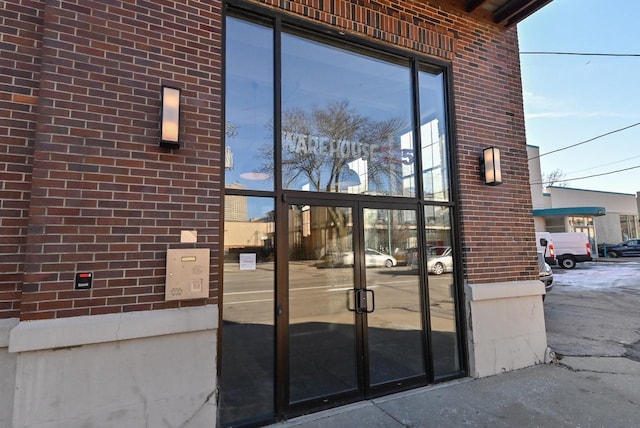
628,226
249,106
433,135
345,121
248,348
321,280
395,335
442,296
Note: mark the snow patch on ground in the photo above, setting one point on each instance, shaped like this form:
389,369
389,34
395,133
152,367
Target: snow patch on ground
598,275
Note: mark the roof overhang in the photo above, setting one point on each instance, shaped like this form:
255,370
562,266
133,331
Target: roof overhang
504,12
571,211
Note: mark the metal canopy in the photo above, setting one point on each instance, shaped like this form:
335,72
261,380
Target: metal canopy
505,12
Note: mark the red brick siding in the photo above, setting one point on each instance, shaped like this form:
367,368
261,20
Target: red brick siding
497,224
20,43
105,197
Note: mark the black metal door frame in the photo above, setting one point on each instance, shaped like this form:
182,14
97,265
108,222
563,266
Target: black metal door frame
364,304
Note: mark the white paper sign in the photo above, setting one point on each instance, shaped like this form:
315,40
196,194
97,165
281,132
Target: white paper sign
248,261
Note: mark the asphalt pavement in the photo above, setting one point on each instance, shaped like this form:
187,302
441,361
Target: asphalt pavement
591,379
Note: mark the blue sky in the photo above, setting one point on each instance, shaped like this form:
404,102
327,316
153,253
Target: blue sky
570,99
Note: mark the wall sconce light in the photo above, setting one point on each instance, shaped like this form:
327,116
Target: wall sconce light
170,117
490,166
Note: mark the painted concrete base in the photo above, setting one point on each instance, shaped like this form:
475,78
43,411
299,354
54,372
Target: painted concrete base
506,326
7,372
155,369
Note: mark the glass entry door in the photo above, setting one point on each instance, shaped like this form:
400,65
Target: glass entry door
355,324
395,342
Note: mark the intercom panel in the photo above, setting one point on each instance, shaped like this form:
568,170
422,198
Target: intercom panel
187,274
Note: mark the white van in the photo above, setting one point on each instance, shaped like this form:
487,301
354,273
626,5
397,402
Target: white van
544,244
571,248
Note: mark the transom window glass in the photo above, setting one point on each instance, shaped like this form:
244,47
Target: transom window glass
433,135
248,157
346,121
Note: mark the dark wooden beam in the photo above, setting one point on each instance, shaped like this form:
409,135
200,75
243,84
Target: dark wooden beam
471,5
516,10
526,11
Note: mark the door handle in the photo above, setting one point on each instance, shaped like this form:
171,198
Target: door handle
367,300
362,304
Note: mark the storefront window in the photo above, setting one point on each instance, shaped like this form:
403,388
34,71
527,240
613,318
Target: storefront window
248,341
311,121
442,296
584,225
629,226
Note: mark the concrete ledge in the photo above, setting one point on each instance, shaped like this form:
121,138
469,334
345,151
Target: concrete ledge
504,290
77,331
6,325
7,372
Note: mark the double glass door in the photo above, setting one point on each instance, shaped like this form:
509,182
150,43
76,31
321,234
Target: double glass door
355,311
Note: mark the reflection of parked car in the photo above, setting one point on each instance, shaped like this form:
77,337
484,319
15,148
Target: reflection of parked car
626,248
376,258
372,258
439,260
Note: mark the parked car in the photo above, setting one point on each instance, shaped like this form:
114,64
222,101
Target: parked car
630,247
546,274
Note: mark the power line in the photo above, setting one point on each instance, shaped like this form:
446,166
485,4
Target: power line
581,53
587,176
586,141
604,164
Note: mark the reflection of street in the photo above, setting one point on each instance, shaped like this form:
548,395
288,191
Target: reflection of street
249,294
442,303
323,341
325,295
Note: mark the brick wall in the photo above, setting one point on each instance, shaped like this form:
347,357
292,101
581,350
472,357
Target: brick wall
497,225
105,197
499,239
20,43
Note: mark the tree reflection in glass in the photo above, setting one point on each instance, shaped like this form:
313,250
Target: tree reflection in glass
346,121
334,149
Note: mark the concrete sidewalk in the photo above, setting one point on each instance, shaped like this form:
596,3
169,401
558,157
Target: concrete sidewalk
572,392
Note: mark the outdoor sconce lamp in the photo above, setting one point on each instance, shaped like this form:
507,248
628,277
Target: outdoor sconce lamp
490,166
170,117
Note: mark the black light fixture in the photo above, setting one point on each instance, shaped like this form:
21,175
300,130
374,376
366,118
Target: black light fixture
490,166
170,117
